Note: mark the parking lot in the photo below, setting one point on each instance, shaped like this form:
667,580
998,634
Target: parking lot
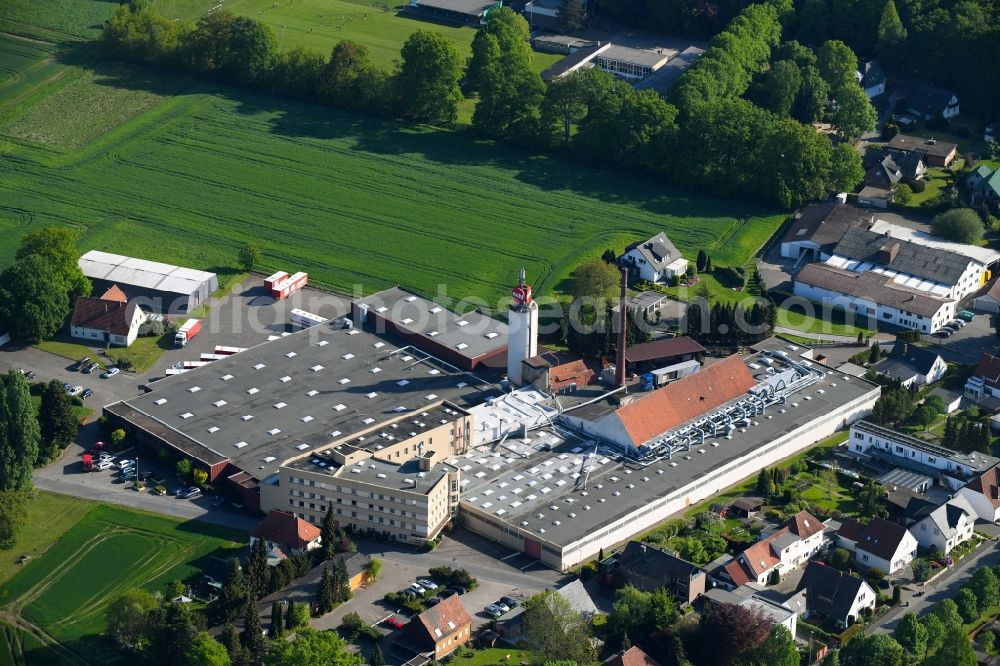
969,342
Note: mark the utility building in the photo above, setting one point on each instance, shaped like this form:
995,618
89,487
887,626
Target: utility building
151,285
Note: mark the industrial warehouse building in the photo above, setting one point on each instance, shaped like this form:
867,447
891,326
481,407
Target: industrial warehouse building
388,435
460,12
151,285
466,341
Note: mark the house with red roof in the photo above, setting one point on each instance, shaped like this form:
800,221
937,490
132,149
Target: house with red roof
634,656
441,628
285,534
110,319
985,380
784,549
983,494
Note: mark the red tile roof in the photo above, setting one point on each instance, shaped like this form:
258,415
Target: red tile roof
101,315
685,399
634,656
988,484
988,368
804,525
283,528
569,373
446,618
114,294
665,348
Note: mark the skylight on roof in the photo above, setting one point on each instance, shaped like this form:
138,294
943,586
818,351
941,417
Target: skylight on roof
335,433
312,392
194,389
214,429
322,343
381,308
316,368
273,431
368,421
461,345
433,334
252,390
435,309
259,366
345,380
285,379
375,370
490,335
430,396
306,419
247,417
407,320
186,415
433,371
302,447
378,345
226,377
339,407
291,354
402,382
268,459
219,403
348,356
280,405
461,322
160,401
240,445
399,409
371,395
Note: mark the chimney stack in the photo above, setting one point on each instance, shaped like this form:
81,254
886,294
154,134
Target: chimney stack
622,328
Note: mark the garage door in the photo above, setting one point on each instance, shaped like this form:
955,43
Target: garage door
533,548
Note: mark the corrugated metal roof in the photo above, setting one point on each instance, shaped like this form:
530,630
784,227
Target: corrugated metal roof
143,273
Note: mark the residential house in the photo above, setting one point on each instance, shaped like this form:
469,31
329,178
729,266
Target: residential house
983,185
834,594
110,319
913,365
931,151
985,380
871,77
886,168
655,260
947,526
906,506
440,629
285,534
953,468
786,548
929,101
649,568
990,301
983,495
634,656
776,607
879,544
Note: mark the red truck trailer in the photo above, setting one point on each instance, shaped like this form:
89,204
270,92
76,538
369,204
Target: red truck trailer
289,286
228,351
269,282
187,331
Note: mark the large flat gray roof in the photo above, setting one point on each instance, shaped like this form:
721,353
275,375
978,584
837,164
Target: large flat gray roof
378,473
123,270
283,398
470,335
519,480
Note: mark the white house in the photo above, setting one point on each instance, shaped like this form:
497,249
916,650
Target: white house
985,380
911,364
871,77
929,102
835,594
983,495
110,319
654,260
946,526
878,545
869,439
785,549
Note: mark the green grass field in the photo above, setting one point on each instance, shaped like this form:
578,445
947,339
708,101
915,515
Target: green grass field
60,595
320,24
352,200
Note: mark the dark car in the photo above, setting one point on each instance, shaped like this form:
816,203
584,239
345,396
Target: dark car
458,589
146,476
510,602
87,393
884,584
434,601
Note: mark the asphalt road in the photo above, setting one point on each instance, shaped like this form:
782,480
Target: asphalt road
946,586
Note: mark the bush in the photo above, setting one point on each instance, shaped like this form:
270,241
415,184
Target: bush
430,545
875,574
921,571
588,571
961,225
151,329
840,559
918,186
351,626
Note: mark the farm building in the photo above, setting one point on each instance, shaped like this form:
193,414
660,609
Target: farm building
111,319
152,285
467,341
661,353
461,12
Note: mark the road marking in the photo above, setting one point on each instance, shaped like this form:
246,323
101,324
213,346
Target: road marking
507,557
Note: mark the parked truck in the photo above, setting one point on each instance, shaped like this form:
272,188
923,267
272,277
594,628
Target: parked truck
305,319
289,285
187,331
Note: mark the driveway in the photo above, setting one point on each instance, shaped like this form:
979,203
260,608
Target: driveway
968,344
945,586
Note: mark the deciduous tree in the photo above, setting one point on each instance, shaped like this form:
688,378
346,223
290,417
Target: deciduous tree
128,615
872,650
555,630
961,225
20,434
206,651
428,78
986,587
595,279
571,15
730,629
778,649
912,635
249,256
312,648
855,113
837,65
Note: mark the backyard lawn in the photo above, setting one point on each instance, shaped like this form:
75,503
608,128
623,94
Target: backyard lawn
496,656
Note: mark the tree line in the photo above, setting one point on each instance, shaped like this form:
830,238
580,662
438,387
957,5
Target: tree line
707,137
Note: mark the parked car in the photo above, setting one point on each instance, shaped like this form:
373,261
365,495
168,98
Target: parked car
502,606
966,315
79,365
191,493
942,333
458,589
125,462
179,490
392,622
87,393
105,464
146,476
884,584
434,601
956,322
90,367
427,584
76,390
67,386
127,474
110,372
417,588
450,592
509,602
493,611
218,501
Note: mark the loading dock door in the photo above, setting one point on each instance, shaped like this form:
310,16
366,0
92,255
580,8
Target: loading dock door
533,548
